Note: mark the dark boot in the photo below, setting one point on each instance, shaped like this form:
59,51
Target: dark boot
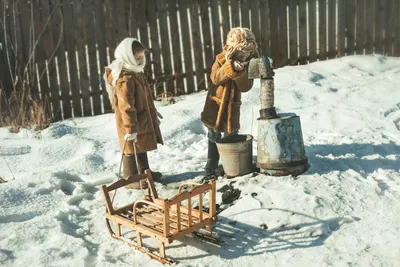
129,168
144,165
268,113
212,161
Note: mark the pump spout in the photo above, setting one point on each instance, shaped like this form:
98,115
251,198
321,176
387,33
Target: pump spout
263,68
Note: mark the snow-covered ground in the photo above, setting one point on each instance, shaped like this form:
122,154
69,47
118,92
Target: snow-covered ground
344,211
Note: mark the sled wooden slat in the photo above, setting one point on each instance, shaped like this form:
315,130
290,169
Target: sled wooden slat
120,219
164,219
195,213
124,209
182,218
124,182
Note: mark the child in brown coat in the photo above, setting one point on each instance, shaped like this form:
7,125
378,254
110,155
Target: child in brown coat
221,113
135,112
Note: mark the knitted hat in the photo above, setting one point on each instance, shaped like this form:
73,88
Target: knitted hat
240,40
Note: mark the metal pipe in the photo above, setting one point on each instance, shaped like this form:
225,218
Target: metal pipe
267,93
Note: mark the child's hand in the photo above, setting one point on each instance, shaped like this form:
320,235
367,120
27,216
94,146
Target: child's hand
237,66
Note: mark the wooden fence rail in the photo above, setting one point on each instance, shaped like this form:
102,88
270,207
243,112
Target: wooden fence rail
59,48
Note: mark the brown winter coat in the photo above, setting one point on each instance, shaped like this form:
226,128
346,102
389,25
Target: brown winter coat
135,112
222,107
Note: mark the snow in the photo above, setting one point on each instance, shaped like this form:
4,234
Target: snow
344,211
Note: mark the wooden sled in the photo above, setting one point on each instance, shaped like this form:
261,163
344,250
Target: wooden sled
164,219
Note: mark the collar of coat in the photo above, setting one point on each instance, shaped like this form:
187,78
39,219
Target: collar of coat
221,58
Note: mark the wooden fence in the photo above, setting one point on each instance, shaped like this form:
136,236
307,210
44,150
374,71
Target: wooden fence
60,47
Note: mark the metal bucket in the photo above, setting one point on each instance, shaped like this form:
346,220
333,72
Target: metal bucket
280,146
236,153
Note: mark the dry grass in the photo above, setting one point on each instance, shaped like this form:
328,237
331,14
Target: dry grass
20,110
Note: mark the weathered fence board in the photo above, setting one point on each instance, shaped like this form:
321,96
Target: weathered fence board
244,11
58,27
207,42
396,44
264,25
302,31
312,20
350,26
216,27
186,45
274,31
102,48
80,35
197,47
50,46
69,36
155,45
331,29
254,19
234,12
39,55
225,19
389,20
282,41
322,29
369,27
176,49
165,47
293,31
360,27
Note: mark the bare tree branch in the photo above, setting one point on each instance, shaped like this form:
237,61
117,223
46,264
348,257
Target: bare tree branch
6,45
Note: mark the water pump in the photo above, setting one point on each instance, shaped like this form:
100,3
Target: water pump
280,145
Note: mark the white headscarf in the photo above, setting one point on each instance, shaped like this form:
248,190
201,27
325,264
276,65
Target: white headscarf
124,60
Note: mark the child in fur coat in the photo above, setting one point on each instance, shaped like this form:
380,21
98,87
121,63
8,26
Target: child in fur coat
221,113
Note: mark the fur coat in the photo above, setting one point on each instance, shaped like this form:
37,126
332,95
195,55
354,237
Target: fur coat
222,107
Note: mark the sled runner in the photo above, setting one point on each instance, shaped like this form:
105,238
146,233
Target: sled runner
163,219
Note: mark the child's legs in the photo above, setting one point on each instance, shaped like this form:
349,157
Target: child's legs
212,155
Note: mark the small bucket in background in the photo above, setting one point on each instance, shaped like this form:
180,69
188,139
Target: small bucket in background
236,153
